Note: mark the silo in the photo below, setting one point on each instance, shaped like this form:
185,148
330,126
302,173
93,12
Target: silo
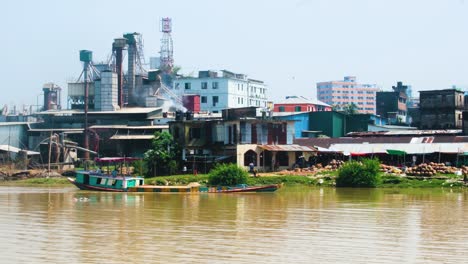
108,91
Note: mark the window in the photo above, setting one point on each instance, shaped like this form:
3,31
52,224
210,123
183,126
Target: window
297,108
177,85
204,85
214,85
187,86
194,132
203,99
281,108
215,100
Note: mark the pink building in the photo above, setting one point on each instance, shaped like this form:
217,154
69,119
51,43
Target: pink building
347,91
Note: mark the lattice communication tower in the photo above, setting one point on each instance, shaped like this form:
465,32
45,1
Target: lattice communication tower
167,52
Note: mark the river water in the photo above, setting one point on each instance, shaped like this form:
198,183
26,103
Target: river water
297,225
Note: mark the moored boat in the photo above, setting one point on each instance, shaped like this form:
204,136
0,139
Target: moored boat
96,180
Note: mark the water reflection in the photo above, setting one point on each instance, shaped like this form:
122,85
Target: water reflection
295,224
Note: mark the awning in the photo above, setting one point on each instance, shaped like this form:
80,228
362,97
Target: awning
396,152
130,137
407,148
287,148
116,159
325,150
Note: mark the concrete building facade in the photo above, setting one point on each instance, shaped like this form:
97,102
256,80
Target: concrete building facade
348,91
441,109
223,90
392,105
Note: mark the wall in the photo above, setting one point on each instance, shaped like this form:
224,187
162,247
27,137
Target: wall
332,124
14,134
232,93
301,124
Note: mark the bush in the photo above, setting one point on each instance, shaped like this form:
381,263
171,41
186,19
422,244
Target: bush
359,174
227,175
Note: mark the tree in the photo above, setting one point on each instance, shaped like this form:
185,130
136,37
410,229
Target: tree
359,174
350,109
227,175
161,158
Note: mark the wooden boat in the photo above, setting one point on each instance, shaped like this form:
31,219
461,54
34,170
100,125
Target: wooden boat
98,181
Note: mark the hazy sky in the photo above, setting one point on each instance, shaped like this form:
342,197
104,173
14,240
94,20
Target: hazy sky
290,45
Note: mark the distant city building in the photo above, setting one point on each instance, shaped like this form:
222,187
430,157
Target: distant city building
441,109
223,90
300,104
393,105
348,91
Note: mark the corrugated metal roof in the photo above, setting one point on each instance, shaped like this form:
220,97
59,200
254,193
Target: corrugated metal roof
129,127
16,150
287,148
326,142
408,131
301,100
78,130
129,137
126,110
413,148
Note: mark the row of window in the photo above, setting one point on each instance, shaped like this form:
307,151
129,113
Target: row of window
345,92
204,85
215,100
299,108
345,97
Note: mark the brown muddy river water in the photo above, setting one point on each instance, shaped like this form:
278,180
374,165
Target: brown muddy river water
296,225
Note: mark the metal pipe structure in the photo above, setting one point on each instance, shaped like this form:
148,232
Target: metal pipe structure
118,46
132,53
86,57
86,105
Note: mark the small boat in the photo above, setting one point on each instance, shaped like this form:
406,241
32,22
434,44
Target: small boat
105,183
99,181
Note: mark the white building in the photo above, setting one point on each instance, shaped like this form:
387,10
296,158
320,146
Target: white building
222,90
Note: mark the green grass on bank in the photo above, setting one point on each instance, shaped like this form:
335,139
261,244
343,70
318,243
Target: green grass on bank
402,182
37,181
203,179
388,181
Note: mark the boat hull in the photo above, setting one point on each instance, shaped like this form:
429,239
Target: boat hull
266,188
180,189
88,187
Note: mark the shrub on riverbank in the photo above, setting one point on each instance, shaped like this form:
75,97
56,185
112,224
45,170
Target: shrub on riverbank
227,175
359,174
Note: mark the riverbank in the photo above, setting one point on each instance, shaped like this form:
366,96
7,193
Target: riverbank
326,179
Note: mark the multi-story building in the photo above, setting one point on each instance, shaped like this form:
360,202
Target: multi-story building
347,92
223,90
300,104
393,105
441,109
239,136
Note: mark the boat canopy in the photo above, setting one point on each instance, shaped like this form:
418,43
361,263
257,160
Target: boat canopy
115,159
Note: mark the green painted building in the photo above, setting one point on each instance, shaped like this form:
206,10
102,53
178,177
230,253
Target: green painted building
336,124
330,123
